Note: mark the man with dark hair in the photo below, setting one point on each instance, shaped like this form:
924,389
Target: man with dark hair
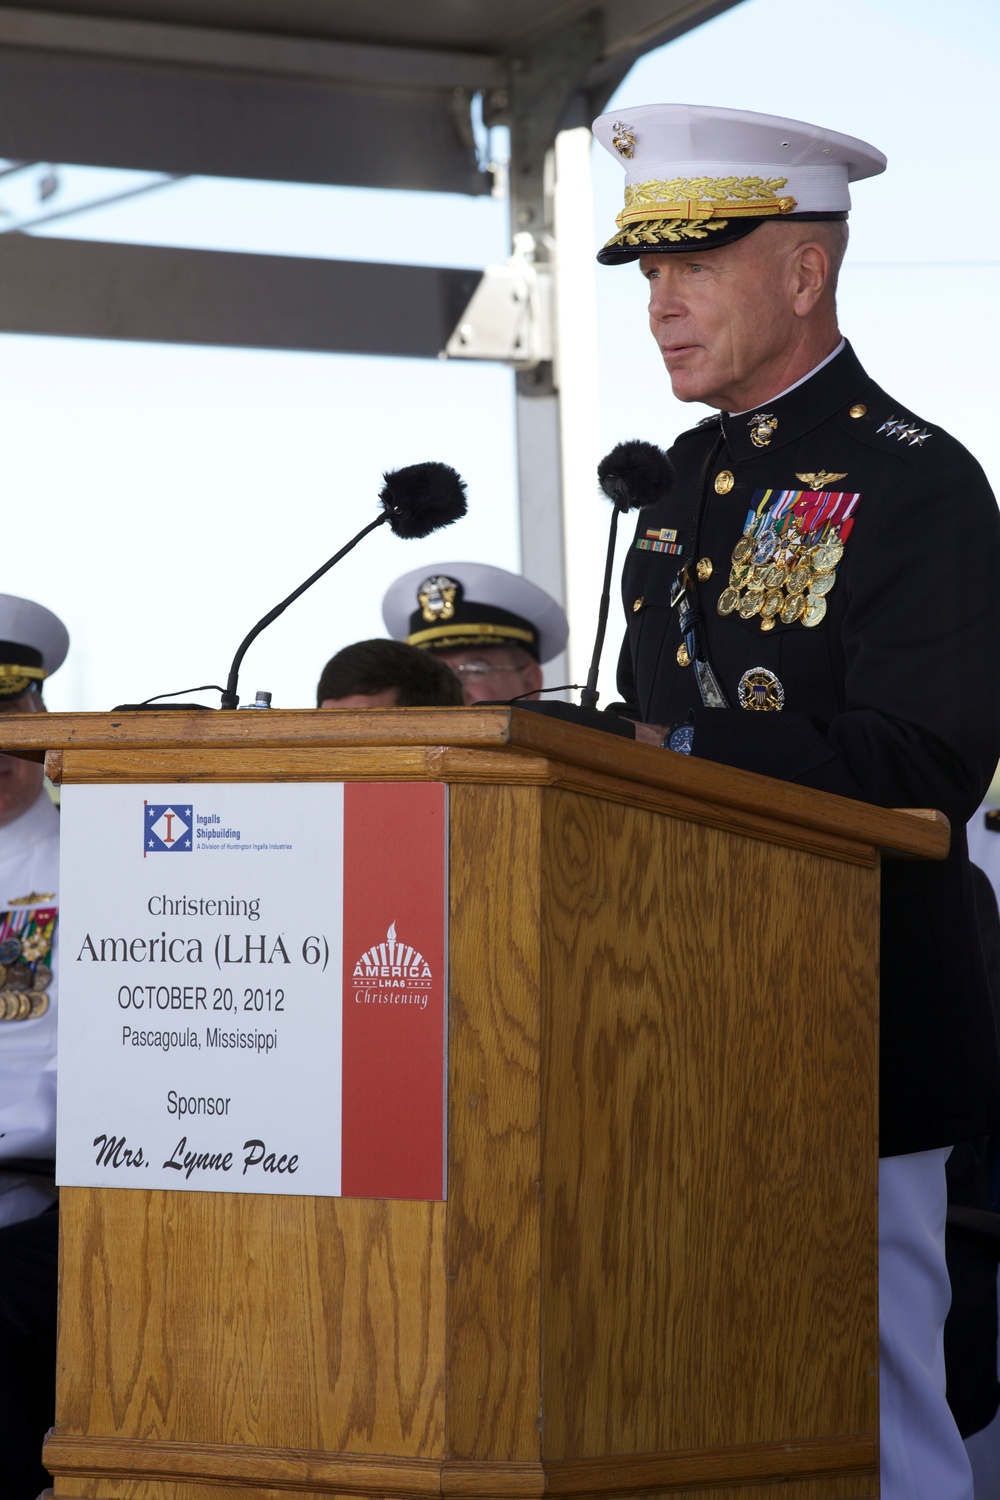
816,600
386,674
33,643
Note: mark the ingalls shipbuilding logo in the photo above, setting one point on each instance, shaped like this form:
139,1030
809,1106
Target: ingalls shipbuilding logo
166,828
392,973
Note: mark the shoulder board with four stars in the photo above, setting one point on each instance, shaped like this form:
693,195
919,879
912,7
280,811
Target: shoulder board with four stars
904,430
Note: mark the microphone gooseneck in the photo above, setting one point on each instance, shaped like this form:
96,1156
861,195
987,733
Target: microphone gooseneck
415,501
633,476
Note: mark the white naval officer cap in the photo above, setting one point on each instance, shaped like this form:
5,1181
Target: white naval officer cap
33,644
697,176
467,606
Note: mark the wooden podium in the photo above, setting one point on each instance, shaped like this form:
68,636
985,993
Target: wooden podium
655,1273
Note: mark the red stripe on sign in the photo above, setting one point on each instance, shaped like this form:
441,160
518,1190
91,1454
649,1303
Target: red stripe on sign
395,893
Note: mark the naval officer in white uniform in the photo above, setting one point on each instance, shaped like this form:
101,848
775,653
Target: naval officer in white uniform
33,643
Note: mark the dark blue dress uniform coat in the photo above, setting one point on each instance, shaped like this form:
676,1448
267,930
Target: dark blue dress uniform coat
893,698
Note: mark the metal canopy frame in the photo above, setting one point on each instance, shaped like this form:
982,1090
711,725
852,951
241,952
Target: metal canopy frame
310,90
321,91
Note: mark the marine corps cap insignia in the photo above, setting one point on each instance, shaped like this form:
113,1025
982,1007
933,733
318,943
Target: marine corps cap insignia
436,597
623,139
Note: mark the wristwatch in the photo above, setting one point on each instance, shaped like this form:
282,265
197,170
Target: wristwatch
680,738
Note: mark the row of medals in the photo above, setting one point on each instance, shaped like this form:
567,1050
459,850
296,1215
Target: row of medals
789,584
22,993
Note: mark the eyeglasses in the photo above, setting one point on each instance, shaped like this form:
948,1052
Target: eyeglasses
476,669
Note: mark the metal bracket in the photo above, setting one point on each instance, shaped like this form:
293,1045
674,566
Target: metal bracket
510,315
544,79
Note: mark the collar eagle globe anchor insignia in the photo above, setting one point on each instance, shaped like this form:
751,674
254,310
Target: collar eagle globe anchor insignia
760,691
436,597
763,425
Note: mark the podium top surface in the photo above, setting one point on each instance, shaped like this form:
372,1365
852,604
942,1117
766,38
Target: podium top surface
459,745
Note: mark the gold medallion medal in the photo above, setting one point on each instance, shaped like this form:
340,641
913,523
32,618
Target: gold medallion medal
827,556
793,607
17,1005
728,601
798,580
774,576
742,550
822,584
772,604
19,977
749,605
755,579
39,1003
738,576
767,624
814,611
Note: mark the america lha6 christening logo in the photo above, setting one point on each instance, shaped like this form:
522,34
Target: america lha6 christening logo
392,973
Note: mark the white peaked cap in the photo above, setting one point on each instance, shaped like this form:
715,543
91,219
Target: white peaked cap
32,638
695,173
489,607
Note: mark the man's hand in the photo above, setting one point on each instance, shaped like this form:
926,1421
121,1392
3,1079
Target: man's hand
650,734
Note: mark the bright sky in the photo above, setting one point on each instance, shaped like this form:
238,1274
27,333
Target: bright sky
168,496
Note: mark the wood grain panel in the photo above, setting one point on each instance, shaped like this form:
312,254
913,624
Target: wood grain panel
301,763
458,764
252,730
278,1321
493,1129
508,731
709,1137
824,1488
96,1460
440,763
806,1471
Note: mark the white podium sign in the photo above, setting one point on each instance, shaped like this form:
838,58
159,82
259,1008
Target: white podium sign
201,988
237,1016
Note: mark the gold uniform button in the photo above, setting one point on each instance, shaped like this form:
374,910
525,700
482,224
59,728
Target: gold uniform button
683,660
637,604
703,568
859,409
724,482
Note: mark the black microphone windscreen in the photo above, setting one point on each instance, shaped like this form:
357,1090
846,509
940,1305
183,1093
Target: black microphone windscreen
636,475
421,498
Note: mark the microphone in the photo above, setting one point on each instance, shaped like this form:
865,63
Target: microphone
415,501
634,476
